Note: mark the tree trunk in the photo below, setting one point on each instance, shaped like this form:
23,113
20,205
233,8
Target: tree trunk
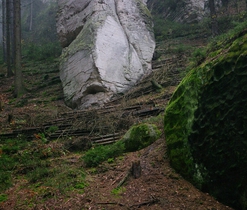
237,6
214,22
12,31
18,71
8,52
4,28
31,16
225,6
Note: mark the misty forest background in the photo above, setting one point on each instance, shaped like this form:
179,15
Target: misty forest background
38,22
28,32
39,40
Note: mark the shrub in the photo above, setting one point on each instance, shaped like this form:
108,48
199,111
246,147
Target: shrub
97,155
52,129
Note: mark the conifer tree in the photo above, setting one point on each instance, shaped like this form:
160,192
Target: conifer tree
214,21
8,36
19,89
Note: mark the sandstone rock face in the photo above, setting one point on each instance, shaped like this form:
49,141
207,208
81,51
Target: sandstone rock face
108,47
183,11
191,11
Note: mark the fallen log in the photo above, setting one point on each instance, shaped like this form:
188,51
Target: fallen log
148,112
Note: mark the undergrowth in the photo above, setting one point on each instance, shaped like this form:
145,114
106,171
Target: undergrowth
40,163
38,52
99,154
138,137
215,44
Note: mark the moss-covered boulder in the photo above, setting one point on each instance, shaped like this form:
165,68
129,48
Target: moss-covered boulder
206,124
140,136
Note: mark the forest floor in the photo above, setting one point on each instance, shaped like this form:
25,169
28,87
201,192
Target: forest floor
109,185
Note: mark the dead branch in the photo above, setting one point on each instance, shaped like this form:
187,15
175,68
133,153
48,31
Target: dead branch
147,203
110,203
117,179
123,180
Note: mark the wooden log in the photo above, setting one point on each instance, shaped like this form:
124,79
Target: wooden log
107,136
123,180
147,112
147,203
105,143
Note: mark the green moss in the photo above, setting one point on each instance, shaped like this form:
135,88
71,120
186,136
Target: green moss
205,124
178,122
145,13
214,53
140,136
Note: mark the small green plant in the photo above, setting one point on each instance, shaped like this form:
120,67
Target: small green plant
80,186
44,94
110,160
3,197
52,129
118,190
93,171
42,137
